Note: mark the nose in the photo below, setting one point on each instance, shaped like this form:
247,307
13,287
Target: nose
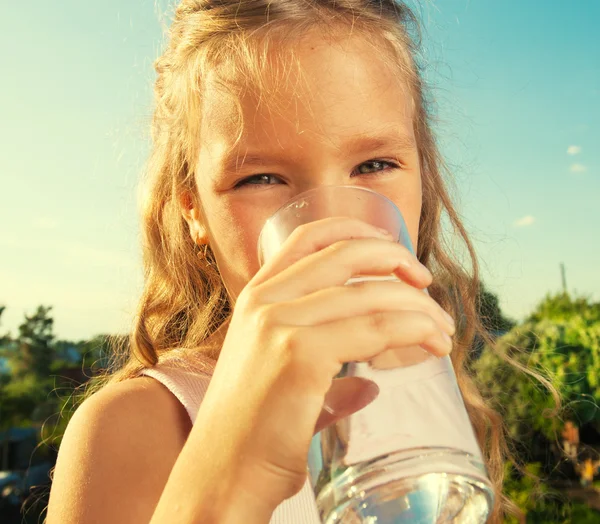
319,199
326,173
341,200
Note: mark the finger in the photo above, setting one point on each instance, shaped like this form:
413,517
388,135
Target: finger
360,298
314,236
346,396
361,338
338,263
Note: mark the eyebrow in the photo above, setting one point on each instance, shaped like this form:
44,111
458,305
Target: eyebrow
357,144
364,143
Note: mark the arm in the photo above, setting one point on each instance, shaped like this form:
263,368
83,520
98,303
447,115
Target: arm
205,487
125,449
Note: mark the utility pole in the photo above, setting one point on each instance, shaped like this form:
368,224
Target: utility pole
564,277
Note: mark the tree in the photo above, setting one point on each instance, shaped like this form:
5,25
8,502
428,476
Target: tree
492,318
29,356
490,313
34,353
5,342
561,341
3,338
563,306
95,353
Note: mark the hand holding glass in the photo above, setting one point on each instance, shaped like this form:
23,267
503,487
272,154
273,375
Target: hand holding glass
411,455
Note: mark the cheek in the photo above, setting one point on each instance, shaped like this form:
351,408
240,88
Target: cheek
408,199
234,231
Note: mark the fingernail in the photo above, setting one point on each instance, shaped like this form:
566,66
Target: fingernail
373,389
371,393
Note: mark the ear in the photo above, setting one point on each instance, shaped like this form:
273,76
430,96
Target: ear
193,216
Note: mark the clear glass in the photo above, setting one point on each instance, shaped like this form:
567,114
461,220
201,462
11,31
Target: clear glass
411,455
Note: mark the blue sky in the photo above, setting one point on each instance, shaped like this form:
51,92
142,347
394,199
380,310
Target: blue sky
518,89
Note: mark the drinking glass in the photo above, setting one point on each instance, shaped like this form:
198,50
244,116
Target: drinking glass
411,455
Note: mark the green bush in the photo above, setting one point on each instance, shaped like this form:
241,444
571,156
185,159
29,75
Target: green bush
561,342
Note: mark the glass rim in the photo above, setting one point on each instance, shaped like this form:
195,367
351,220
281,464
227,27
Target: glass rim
288,203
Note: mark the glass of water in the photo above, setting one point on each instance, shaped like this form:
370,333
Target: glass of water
411,455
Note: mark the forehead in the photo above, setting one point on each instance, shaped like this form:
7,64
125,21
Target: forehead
319,91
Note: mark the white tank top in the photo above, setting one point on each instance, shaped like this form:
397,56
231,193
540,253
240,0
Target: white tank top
189,385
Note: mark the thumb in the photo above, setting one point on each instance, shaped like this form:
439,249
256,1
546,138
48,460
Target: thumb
345,396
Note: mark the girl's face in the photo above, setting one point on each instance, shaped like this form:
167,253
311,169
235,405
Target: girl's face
344,120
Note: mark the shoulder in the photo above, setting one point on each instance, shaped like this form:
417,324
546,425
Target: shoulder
117,453
141,402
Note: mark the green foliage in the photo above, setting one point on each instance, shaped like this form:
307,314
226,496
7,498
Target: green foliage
562,306
560,341
535,498
44,373
5,344
540,502
490,313
492,319
33,352
564,346
95,352
24,395
3,338
19,398
582,514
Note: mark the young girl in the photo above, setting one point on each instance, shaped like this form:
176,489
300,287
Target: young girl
211,417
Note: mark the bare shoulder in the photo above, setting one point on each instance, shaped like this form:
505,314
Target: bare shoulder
119,409
117,454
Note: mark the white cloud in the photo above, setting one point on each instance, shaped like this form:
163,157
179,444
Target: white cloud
578,168
573,150
44,223
527,220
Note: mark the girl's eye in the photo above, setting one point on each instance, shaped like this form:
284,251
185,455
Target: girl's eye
372,166
256,180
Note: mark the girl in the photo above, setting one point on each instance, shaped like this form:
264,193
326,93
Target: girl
211,417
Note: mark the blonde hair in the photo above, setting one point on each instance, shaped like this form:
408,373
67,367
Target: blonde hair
184,298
